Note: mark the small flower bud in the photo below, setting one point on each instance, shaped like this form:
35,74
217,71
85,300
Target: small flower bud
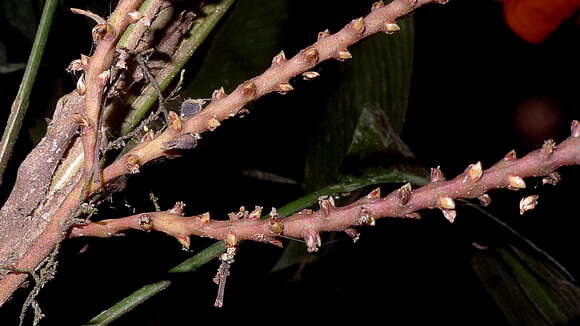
552,179
484,200
510,156
308,75
450,214
279,59
446,202
475,172
343,54
132,164
377,5
437,175
218,94
575,128
324,34
391,28
516,182
358,25
528,203
284,88
366,218
404,193
311,55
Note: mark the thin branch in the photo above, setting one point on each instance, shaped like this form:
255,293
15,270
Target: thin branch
96,79
404,202
275,79
20,104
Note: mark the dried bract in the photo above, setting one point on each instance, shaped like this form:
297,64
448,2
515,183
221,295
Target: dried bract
145,222
353,234
437,175
548,146
484,200
324,34
446,202
404,193
516,182
132,164
377,5
475,172
552,179
308,75
279,59
450,214
528,203
358,25
391,28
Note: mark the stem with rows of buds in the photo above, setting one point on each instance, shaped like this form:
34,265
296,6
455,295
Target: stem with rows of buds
404,202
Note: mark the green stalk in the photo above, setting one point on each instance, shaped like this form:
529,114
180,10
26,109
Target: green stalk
20,104
199,33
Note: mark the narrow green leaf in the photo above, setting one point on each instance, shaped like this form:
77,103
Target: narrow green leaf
20,104
377,79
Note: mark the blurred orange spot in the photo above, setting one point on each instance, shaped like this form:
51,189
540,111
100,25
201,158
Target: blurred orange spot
534,20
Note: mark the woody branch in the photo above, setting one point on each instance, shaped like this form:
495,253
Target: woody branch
404,202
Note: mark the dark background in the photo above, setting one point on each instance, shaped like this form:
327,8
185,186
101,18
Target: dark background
477,92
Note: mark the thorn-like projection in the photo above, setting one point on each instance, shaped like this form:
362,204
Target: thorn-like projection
311,55
358,25
256,213
135,16
575,128
343,54
484,200
284,87
377,5
446,202
74,66
145,222
450,214
437,175
218,94
85,61
81,88
391,28
528,203
312,239
324,34
552,179
203,219
248,89
326,203
104,77
548,146
516,182
132,164
353,234
404,193
175,121
510,156
279,59
309,75
227,259
375,194
101,31
184,240
414,215
177,209
213,123
366,218
475,172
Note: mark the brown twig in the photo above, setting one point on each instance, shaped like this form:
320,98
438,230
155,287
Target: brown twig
97,76
275,79
404,202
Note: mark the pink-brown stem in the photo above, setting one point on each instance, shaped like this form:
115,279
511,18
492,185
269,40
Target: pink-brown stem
439,194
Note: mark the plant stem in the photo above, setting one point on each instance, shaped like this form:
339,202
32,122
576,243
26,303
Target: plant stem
20,104
199,33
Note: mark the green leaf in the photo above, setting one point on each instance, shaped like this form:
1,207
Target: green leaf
235,56
528,290
373,88
529,286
